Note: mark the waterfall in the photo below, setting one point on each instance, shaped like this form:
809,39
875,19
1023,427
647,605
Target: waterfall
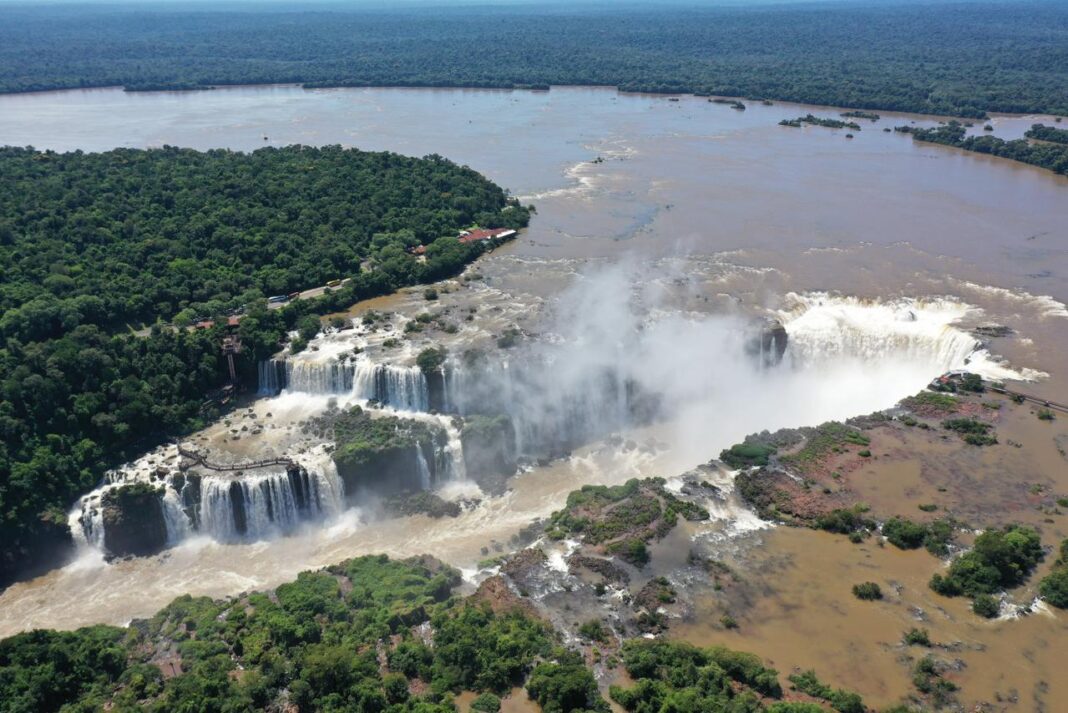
401,387
332,377
424,469
272,377
826,329
174,516
86,522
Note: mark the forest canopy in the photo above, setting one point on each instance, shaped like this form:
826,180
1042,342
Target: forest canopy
956,59
90,243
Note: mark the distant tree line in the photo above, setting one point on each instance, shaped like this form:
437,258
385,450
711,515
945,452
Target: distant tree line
1045,155
953,59
91,242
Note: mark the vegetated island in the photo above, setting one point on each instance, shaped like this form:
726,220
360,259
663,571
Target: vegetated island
819,121
1051,156
958,60
1039,132
93,243
870,116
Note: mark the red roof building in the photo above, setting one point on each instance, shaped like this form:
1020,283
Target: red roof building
473,236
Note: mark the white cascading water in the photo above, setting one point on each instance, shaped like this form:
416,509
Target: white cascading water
424,469
177,522
824,329
401,387
557,398
264,503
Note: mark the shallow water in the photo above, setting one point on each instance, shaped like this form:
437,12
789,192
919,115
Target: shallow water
747,211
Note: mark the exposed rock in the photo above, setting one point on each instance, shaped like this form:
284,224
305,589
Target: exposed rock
769,345
992,331
499,596
606,568
421,503
133,520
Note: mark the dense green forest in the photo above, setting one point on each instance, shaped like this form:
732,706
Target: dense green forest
90,242
1045,155
371,635
958,59
1047,133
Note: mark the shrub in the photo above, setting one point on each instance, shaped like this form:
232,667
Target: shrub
431,359
843,521
1044,414
972,430
486,703
985,606
1054,586
594,630
747,455
565,686
904,534
1000,559
430,294
917,637
867,591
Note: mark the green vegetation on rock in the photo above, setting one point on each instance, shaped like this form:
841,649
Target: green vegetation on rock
1000,559
675,676
972,430
1054,586
622,518
747,454
819,121
908,535
867,591
842,701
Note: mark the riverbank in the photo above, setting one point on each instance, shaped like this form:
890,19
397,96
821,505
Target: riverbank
888,48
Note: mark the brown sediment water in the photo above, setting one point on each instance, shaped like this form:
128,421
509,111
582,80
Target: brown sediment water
806,617
737,212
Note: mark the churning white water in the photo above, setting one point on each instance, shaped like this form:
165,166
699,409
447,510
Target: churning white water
669,389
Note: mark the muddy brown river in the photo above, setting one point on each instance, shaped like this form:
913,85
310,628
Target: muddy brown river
741,210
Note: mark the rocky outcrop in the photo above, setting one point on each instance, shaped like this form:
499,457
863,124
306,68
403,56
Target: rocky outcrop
769,345
421,503
133,520
384,455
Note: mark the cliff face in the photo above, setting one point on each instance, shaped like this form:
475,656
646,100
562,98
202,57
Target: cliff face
133,520
769,345
43,546
384,455
489,450
379,470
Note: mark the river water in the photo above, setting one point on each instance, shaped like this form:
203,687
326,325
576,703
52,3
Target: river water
740,211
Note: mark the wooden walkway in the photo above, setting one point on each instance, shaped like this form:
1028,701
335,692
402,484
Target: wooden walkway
1053,405
201,460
